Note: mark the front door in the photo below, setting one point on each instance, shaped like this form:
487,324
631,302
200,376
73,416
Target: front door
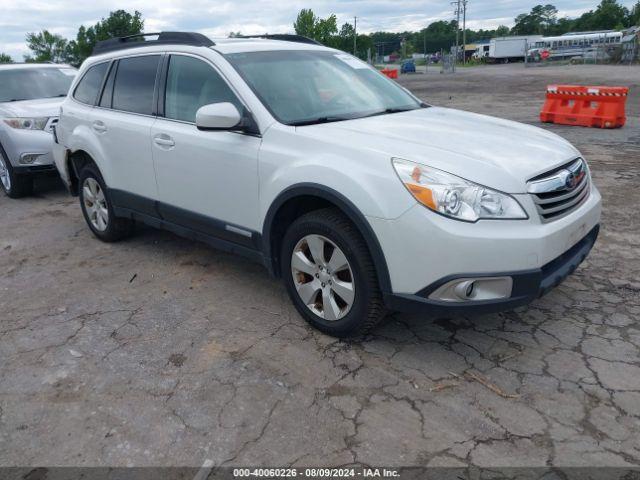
207,180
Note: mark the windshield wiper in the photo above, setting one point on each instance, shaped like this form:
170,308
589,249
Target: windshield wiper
327,119
58,96
17,100
316,121
389,110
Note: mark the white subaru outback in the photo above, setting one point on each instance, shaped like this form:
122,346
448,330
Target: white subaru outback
358,195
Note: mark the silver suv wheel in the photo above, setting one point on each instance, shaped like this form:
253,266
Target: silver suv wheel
322,277
4,174
95,204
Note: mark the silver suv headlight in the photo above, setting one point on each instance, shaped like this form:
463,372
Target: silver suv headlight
26,123
456,197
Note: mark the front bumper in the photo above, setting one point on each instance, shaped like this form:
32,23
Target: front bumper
35,169
18,143
421,247
527,286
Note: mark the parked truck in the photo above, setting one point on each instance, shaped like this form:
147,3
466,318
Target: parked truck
510,49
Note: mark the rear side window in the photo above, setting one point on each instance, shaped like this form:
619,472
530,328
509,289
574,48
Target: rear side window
88,88
134,84
191,84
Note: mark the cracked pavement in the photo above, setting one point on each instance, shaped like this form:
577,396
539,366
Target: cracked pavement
161,351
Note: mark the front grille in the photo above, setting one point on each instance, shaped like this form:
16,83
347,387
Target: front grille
560,191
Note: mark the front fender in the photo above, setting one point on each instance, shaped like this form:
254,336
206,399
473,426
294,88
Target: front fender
365,177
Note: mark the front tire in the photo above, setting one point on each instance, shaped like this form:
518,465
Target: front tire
13,185
98,210
330,276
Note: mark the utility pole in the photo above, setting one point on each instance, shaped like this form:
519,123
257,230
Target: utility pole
424,51
355,36
464,31
457,14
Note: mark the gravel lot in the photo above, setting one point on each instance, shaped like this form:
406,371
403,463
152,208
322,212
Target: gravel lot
161,351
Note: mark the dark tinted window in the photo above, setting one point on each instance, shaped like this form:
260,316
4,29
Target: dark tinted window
191,83
134,83
88,88
107,93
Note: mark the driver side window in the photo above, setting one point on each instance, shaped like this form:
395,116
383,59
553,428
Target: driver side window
191,84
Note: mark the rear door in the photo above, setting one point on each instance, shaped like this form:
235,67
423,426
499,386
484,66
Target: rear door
122,122
207,180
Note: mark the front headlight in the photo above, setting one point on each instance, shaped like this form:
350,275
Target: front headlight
25,123
455,197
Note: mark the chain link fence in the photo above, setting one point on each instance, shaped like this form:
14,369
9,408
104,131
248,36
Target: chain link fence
448,63
576,55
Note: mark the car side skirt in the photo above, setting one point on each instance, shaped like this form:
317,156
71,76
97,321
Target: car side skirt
216,233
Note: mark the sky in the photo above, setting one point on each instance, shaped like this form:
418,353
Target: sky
219,17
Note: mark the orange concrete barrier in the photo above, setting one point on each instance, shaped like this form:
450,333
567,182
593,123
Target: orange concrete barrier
601,107
391,73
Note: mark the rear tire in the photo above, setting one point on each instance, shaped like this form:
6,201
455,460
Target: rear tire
330,275
14,185
97,207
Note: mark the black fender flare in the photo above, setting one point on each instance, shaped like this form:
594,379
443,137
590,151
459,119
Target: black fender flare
346,206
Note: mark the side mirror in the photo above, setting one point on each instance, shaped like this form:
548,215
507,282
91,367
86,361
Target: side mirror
218,116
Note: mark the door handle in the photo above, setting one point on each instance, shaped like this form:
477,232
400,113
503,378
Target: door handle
164,140
99,127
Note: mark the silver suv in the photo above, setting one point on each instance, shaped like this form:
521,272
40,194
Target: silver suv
30,99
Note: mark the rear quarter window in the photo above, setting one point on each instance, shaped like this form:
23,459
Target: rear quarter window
90,84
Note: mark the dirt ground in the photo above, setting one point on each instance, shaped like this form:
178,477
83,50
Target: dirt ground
162,351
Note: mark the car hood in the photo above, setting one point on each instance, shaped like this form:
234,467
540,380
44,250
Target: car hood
40,107
497,153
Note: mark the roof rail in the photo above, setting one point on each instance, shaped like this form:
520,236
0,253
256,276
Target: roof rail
285,37
164,38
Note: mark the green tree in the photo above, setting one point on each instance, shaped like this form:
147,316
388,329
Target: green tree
502,31
324,30
46,47
118,24
437,36
345,37
547,14
539,21
609,14
634,15
305,24
4,58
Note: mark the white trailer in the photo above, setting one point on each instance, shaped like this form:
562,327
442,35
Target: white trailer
506,49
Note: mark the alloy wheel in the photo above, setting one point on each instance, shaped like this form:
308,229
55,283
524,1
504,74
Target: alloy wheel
95,204
323,277
4,174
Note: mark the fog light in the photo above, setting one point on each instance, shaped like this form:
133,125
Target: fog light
464,290
29,158
469,291
474,289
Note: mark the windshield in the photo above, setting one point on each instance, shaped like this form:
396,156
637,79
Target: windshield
305,87
31,83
